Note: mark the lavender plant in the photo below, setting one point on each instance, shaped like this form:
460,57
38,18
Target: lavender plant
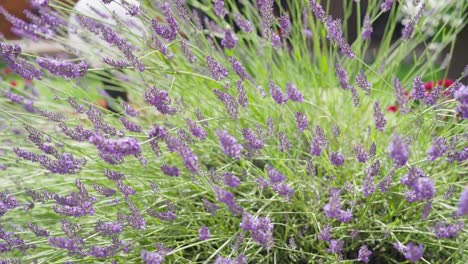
293,165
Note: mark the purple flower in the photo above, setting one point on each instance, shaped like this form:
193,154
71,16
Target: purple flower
316,146
38,231
442,230
73,245
170,171
262,183
108,34
266,13
355,96
366,28
230,103
384,185
219,8
242,98
227,198
284,142
438,148
293,93
274,175
285,25
361,154
317,10
204,233
186,51
103,190
434,95
65,69
218,72
243,23
463,203
301,121
343,77
408,30
20,66
190,159
260,228
114,150
125,189
130,126
334,210
197,131
15,98
413,252
135,219
335,34
231,180
209,206
379,117
277,94
325,233
153,257
116,63
238,68
336,246
169,215
364,254
7,201
418,89
230,40
336,159
461,94
283,190
399,151
229,144
252,140
159,99
168,32
362,82
129,110
39,3
400,95
386,5
108,228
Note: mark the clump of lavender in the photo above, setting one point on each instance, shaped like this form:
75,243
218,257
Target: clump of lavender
194,156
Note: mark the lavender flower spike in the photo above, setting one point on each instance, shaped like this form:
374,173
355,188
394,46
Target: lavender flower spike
364,254
342,75
337,159
230,40
366,28
218,72
159,99
418,89
293,93
317,10
229,144
463,203
437,149
413,252
301,121
65,69
277,94
399,151
379,117
386,5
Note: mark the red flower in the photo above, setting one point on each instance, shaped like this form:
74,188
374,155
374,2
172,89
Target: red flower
392,108
7,70
444,83
13,83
